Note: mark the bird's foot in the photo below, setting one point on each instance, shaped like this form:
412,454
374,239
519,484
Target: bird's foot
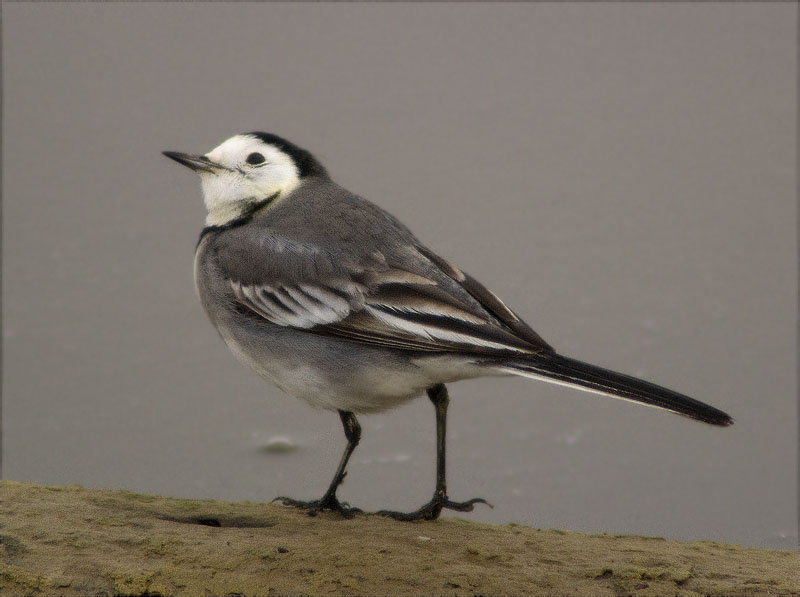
314,507
432,509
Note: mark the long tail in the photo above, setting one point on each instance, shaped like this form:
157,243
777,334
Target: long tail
555,368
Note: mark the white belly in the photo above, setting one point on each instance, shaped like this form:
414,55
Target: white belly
326,375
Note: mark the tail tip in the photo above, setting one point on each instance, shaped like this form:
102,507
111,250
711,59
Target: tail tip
721,419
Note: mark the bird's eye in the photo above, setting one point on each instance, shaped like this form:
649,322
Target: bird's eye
254,159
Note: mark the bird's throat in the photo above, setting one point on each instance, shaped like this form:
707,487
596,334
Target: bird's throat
238,213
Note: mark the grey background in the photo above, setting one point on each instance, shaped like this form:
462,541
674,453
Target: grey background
622,175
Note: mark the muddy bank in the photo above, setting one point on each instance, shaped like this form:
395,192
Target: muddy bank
77,541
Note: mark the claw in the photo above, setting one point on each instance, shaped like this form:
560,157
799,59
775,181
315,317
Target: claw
314,507
432,509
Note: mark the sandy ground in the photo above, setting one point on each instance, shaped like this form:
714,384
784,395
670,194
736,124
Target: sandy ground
77,541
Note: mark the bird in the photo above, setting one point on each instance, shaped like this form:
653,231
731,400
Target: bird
337,303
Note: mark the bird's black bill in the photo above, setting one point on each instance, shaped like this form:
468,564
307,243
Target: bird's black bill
583,375
195,162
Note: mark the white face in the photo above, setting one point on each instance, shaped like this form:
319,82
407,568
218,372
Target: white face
251,171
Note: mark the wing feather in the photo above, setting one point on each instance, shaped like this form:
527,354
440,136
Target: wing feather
408,298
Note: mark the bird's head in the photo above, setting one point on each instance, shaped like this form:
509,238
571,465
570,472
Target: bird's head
246,170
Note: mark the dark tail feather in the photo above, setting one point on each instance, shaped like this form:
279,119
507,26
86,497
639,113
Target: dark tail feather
559,369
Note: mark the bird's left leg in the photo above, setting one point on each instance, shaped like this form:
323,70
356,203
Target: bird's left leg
352,431
440,501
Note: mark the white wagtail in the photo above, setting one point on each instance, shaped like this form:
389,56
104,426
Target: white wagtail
337,303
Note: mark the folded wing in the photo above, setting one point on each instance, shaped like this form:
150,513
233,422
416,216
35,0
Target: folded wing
425,305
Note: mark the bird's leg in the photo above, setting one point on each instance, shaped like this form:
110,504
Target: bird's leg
352,431
431,510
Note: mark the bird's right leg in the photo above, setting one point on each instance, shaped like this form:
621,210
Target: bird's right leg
352,431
